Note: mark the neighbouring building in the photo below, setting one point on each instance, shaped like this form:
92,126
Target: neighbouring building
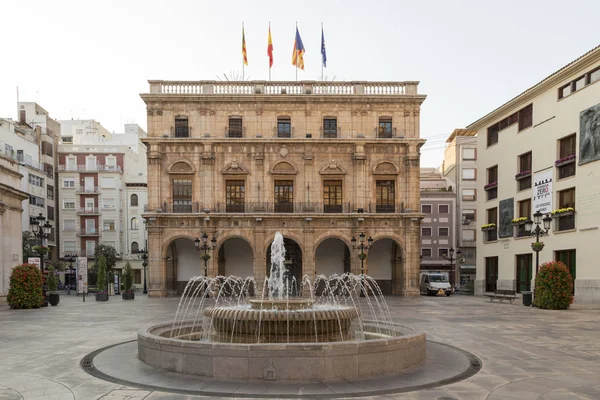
11,226
438,245
321,162
460,169
102,191
540,151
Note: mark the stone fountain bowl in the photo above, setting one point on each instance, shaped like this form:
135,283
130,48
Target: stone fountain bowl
379,355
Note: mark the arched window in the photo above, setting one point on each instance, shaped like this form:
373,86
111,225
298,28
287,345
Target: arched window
134,200
134,224
135,247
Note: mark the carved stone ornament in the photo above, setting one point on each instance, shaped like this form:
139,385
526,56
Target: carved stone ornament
332,168
234,168
181,167
385,168
283,152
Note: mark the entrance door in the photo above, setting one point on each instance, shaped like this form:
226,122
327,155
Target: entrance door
89,205
524,271
90,226
90,163
491,273
89,184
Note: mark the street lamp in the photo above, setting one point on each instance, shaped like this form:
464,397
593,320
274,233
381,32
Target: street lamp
205,247
41,231
143,255
70,257
362,256
452,259
537,232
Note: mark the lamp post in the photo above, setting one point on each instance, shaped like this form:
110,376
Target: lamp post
452,259
41,231
205,247
143,255
362,256
70,258
537,232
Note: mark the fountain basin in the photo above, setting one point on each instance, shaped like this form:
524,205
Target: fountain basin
378,355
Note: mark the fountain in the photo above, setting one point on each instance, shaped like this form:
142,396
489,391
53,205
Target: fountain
336,327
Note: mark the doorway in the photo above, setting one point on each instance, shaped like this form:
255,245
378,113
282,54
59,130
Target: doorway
524,271
491,274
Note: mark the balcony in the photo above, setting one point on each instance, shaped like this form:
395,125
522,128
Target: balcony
385,208
88,211
78,253
90,168
182,207
88,232
87,190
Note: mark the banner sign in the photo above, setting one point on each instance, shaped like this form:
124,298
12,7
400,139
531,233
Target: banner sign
82,275
37,261
542,191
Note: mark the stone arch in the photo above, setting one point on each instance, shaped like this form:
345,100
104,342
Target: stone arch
385,260
284,167
385,168
182,261
333,255
181,166
295,254
237,259
290,235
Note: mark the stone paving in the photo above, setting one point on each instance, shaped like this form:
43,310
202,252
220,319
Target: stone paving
527,353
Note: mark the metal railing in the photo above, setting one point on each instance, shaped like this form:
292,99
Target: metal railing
90,168
83,189
88,232
88,210
181,207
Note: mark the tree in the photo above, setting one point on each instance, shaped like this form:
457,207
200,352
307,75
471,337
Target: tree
553,286
110,255
127,277
101,274
25,287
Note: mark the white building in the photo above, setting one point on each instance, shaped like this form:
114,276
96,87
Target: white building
541,151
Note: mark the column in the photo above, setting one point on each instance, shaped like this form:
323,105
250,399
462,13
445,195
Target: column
154,178
156,272
411,259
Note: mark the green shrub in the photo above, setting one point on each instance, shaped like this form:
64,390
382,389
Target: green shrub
25,287
101,274
553,286
127,277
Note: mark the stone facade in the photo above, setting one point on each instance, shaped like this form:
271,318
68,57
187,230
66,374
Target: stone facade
282,140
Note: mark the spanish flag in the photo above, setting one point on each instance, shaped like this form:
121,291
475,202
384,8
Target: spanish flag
244,46
298,55
270,48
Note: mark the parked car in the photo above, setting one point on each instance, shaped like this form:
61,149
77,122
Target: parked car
434,283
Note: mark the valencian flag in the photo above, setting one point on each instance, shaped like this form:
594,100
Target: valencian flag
298,56
323,52
244,54
270,48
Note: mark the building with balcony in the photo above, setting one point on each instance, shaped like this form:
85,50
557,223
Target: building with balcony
437,228
460,170
102,191
321,162
540,151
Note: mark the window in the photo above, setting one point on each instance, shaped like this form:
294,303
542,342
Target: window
443,209
443,231
492,183
111,161
524,175
108,182
36,201
426,252
182,129
235,127
468,235
108,225
67,139
134,224
595,75
566,198
20,156
426,208
385,196
332,196
385,127
579,83
330,128
36,180
492,135
69,246
50,213
425,231
469,194
50,192
468,154
284,127
235,196
47,148
492,218
566,157
135,247
137,276
468,174
443,253
524,210
49,170
79,131
68,205
68,224
134,200
468,216
182,195
108,202
8,150
526,117
284,196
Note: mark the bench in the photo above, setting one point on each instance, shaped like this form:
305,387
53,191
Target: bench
501,294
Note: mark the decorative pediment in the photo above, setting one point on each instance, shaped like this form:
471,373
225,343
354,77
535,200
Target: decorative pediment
385,168
284,168
181,167
234,168
332,168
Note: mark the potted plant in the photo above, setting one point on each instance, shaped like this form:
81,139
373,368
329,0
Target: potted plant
553,286
362,256
41,250
127,294
523,174
102,294
490,185
488,227
205,257
52,282
537,246
25,289
562,212
565,160
519,221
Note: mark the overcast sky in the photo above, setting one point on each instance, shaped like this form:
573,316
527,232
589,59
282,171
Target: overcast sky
91,59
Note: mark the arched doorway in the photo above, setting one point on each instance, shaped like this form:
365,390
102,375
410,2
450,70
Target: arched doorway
236,258
293,264
383,258
332,257
182,262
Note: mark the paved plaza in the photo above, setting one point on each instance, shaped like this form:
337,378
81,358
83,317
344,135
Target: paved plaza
527,353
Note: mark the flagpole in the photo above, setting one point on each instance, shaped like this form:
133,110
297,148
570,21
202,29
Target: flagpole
296,53
242,52
322,73
269,58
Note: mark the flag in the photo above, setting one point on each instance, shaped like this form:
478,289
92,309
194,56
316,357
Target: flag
244,47
298,56
270,48
323,52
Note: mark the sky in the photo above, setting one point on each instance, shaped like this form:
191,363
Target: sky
91,59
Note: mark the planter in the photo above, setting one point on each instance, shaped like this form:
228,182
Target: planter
103,296
520,176
53,299
489,228
560,163
563,214
537,246
128,295
491,186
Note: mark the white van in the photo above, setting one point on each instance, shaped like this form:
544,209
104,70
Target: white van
434,283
